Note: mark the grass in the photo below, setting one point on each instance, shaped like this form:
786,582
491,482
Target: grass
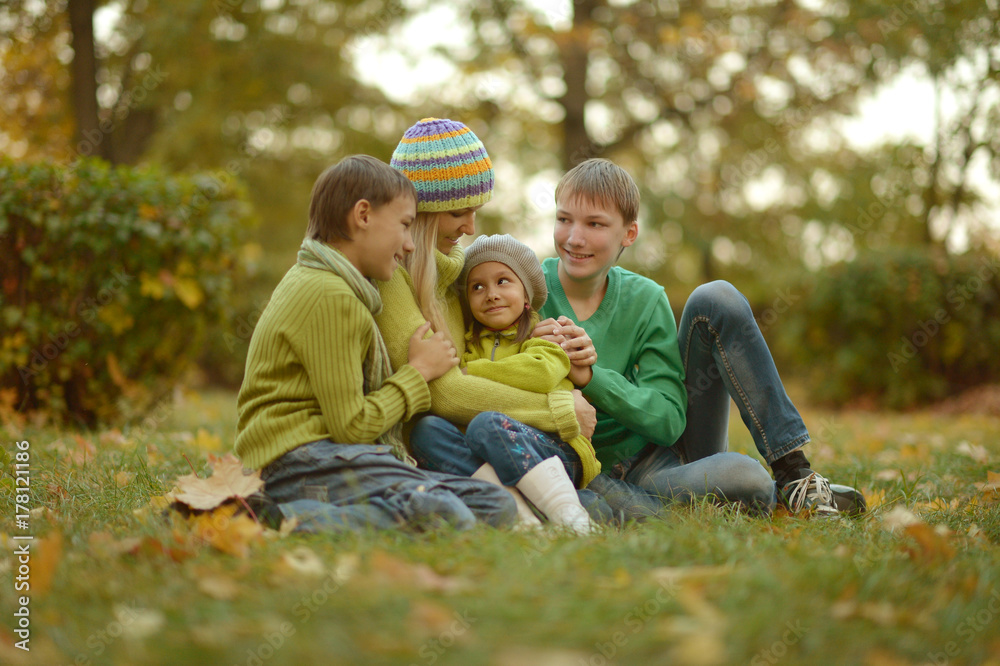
705,585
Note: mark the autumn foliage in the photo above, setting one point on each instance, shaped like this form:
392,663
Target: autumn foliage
109,281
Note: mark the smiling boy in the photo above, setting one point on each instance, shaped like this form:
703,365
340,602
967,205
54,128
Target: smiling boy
653,429
320,408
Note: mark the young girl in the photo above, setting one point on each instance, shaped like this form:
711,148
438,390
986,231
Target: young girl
503,287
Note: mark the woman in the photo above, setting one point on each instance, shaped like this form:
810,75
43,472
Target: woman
453,176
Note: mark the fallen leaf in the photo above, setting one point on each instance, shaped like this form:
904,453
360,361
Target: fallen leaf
219,587
899,517
521,655
207,441
932,544
393,570
974,451
888,475
45,562
123,478
138,623
226,531
430,618
227,481
301,561
674,575
990,490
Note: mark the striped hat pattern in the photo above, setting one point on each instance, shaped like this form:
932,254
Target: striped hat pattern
447,163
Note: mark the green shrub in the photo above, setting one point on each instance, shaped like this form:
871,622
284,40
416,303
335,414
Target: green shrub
109,281
902,327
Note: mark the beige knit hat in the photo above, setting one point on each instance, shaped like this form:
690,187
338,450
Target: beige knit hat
513,253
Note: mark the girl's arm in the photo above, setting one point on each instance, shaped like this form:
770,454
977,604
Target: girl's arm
458,397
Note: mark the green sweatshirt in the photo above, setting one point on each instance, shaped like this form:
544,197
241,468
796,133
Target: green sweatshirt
304,376
638,384
534,365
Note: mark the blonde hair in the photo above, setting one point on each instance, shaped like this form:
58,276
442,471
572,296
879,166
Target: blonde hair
422,267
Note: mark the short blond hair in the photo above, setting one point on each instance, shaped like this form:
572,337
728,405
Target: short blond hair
602,182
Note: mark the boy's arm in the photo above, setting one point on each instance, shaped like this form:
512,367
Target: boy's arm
458,397
539,367
332,346
651,400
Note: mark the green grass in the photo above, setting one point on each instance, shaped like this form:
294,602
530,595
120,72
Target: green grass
703,586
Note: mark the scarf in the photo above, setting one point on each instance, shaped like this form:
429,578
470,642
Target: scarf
314,254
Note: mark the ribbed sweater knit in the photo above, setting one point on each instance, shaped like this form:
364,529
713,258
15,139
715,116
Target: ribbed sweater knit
535,365
454,396
304,376
638,383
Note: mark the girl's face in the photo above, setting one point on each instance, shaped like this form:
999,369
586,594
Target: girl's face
454,224
496,297
589,237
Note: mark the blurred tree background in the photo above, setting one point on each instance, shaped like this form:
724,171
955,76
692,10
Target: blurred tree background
733,115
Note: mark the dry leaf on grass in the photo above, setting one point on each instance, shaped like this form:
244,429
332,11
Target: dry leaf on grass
301,561
45,563
395,571
227,481
974,451
990,490
219,587
226,531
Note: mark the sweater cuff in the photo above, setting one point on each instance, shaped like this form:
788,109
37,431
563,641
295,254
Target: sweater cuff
415,391
596,387
564,414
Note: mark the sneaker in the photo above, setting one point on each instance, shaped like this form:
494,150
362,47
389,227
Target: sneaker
848,501
810,494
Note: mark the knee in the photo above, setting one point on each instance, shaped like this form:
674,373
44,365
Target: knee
749,483
720,298
485,427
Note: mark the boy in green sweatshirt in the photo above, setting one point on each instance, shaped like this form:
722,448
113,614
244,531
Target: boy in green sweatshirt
319,408
662,391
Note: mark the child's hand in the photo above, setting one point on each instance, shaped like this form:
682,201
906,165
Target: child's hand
431,357
545,330
577,344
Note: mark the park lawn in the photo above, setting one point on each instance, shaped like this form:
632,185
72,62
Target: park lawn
915,581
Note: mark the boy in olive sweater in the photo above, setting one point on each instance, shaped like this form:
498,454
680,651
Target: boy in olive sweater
319,408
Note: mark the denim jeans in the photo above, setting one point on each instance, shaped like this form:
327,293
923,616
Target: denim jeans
725,357
338,487
511,447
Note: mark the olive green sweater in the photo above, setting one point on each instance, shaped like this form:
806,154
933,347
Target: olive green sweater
304,376
454,396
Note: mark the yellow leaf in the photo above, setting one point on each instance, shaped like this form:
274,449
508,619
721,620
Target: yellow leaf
226,531
123,478
207,441
45,563
150,286
189,292
219,587
116,317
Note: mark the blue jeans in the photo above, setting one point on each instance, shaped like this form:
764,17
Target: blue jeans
725,357
338,487
511,447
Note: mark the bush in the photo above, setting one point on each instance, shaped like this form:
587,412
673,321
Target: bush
902,327
114,277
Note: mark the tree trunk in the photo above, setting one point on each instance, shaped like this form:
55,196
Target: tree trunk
576,142
90,140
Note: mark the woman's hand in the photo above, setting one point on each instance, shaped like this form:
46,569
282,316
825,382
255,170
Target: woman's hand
586,415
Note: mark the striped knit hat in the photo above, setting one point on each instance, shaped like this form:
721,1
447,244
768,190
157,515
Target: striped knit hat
447,163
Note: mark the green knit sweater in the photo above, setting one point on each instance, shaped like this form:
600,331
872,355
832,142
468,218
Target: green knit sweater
638,384
304,376
455,396
535,365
